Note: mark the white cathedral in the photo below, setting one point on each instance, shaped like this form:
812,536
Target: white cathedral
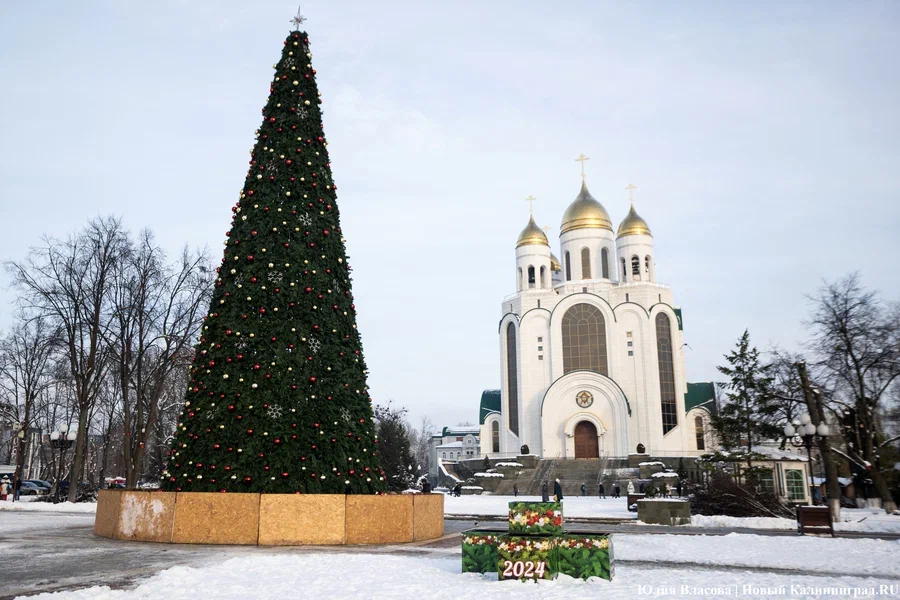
591,347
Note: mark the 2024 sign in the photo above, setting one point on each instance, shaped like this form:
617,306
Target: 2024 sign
523,569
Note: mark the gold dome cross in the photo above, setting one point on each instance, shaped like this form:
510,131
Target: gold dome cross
581,158
631,187
530,200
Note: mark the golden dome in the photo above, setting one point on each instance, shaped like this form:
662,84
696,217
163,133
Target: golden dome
585,213
633,225
532,234
554,263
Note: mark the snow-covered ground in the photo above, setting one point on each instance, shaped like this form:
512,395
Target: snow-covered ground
574,506
852,519
360,575
63,507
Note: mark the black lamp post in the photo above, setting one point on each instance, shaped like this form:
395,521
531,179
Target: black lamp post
802,432
62,440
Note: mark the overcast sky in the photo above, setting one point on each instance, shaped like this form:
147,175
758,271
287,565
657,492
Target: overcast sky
762,137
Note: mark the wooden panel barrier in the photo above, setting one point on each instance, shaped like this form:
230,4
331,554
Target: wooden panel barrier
268,519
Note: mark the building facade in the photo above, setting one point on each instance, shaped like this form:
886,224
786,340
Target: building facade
591,348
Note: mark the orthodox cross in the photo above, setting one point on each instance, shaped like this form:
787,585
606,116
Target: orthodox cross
631,187
298,20
530,200
581,158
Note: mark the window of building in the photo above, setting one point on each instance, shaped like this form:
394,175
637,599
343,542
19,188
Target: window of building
585,263
495,437
568,267
767,481
701,437
626,298
793,480
540,339
540,357
666,372
443,455
458,455
635,265
584,340
512,378
520,281
624,270
631,353
540,348
530,277
543,271
647,264
604,263
630,344
628,334
584,290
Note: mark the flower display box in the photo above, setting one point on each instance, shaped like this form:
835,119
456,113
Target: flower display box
585,555
479,550
526,557
535,518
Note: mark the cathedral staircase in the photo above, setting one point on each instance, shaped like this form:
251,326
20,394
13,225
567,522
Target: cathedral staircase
571,474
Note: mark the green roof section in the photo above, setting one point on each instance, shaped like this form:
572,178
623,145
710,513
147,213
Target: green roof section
680,324
700,394
490,403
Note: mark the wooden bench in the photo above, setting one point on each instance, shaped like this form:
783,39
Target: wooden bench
814,519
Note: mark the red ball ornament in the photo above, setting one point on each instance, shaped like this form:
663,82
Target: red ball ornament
312,379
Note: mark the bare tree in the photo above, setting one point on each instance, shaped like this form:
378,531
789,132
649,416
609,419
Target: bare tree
25,372
856,340
158,310
420,441
68,282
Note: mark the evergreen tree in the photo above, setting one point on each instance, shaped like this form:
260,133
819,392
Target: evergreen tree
400,468
278,400
749,408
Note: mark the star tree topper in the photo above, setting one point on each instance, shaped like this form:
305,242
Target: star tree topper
298,20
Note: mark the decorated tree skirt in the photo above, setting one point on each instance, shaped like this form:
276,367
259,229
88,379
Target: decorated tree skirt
536,547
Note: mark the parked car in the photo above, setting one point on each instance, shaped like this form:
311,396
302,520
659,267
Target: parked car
40,483
31,489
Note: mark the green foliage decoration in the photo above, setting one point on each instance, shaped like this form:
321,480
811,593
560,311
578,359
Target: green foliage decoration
278,400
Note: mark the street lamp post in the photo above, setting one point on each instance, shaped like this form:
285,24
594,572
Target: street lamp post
801,432
61,440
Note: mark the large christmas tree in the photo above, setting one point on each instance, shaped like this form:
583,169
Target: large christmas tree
278,400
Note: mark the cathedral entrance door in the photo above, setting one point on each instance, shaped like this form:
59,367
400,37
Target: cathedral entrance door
586,443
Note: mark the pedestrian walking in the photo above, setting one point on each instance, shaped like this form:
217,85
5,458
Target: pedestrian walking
678,489
641,487
583,490
601,491
4,488
616,491
545,495
17,489
557,491
516,489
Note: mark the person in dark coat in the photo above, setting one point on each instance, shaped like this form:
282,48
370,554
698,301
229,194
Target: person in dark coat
678,488
426,487
557,491
641,487
545,495
616,490
458,490
583,490
515,489
601,490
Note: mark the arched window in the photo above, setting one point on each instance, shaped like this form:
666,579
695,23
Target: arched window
585,263
568,267
666,372
604,263
624,270
443,455
793,480
635,266
519,282
495,437
458,455
543,281
512,379
530,276
701,438
647,265
584,340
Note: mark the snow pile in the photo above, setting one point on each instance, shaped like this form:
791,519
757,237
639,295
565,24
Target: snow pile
471,487
509,464
62,507
411,491
747,522
657,475
488,474
573,506
362,575
652,464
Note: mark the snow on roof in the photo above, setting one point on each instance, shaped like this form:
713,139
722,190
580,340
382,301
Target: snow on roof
508,464
451,445
778,454
651,463
664,475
